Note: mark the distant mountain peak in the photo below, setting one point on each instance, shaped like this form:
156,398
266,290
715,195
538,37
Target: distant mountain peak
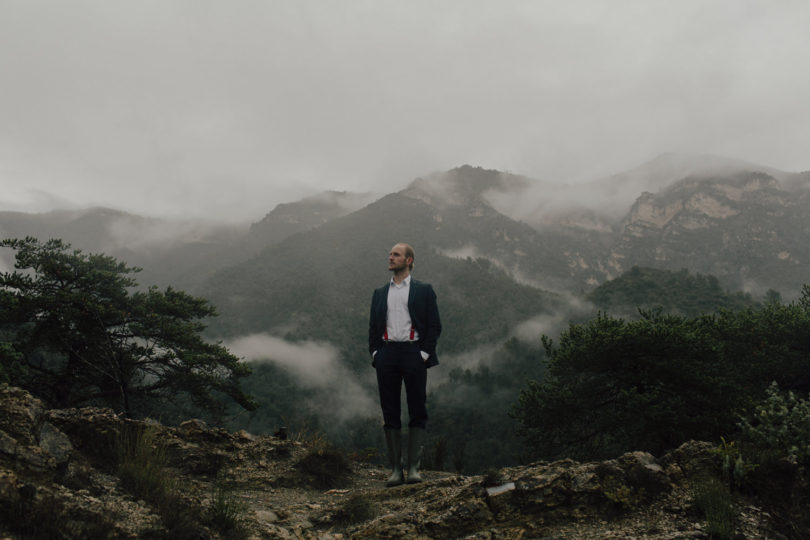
465,185
310,212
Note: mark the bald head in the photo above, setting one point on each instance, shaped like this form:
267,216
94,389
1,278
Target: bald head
408,249
400,259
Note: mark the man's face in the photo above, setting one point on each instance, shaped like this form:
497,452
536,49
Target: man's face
397,260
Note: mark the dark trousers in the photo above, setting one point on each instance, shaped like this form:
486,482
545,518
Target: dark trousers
397,363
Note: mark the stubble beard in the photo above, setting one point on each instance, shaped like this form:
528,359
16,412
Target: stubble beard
398,269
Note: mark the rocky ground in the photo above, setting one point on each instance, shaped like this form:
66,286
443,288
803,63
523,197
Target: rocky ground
60,478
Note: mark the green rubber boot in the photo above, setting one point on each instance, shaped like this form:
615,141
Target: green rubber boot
393,439
415,438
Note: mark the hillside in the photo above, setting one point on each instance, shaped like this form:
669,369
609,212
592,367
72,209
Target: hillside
61,477
299,284
679,293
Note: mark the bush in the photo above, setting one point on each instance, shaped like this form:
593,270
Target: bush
733,466
615,386
781,424
778,435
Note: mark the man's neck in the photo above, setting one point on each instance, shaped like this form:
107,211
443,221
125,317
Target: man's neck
400,275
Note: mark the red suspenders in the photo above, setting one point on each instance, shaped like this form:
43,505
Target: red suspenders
385,334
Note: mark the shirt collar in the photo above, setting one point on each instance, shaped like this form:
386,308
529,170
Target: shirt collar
405,282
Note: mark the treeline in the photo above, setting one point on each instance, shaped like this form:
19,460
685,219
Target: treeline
679,293
615,385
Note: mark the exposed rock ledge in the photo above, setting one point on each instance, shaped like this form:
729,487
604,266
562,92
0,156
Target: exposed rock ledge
62,460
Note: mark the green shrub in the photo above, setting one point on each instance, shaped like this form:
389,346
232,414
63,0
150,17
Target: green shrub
778,435
781,424
734,468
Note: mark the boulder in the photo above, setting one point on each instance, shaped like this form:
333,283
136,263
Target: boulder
93,431
689,460
20,414
55,443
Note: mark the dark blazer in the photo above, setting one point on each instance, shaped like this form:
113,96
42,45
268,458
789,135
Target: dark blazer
424,316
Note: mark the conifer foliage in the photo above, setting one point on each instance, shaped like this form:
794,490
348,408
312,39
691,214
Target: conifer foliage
615,385
75,331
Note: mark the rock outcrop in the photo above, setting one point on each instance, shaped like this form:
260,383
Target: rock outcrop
60,478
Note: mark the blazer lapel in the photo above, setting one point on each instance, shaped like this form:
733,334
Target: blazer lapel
384,310
411,293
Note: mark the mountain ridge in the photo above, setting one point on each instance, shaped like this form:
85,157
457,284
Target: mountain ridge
566,243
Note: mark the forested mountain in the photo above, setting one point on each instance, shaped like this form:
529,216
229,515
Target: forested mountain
299,286
510,257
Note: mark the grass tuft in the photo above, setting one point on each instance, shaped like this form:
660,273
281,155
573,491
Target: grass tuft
715,502
226,513
142,470
326,468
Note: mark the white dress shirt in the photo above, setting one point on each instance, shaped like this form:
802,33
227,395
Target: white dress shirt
398,322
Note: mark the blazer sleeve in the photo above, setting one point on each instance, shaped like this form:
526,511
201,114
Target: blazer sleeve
432,324
374,332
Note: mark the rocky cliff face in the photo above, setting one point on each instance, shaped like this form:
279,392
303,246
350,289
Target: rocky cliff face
59,479
745,229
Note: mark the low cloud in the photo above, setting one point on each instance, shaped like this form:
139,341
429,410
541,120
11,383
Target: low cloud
551,324
6,260
314,365
470,251
528,331
348,201
531,330
135,232
471,359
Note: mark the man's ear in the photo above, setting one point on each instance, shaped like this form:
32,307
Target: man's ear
409,260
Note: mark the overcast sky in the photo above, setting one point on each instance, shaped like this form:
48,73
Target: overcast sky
226,108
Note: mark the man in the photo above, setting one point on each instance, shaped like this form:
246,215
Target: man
402,332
